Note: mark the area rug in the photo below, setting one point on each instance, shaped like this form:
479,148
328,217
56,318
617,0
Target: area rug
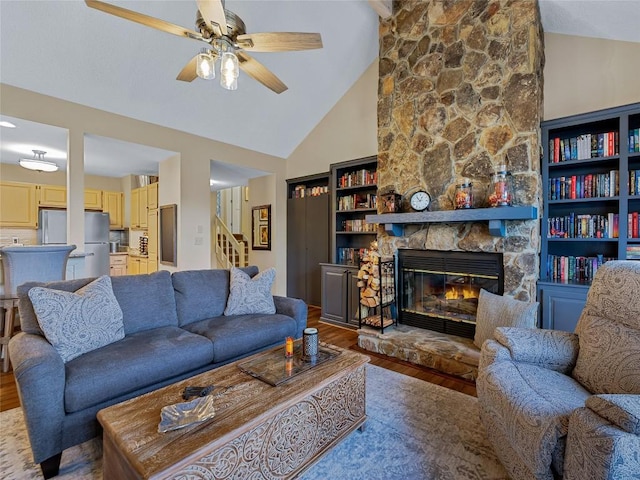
414,430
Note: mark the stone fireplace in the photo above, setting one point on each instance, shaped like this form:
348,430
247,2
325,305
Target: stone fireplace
460,93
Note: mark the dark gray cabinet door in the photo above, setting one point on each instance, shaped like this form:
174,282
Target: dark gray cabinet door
354,296
561,306
334,293
317,245
296,249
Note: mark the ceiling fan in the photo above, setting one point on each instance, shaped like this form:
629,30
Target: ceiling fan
226,35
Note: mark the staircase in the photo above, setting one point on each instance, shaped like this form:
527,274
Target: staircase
232,250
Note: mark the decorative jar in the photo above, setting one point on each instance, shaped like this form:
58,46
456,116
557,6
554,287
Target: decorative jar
464,195
501,191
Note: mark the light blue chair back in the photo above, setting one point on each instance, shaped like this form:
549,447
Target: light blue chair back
37,263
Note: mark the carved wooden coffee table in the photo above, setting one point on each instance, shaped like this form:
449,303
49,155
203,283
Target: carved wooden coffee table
258,431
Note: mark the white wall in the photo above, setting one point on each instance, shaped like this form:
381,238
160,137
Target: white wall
169,193
348,131
586,74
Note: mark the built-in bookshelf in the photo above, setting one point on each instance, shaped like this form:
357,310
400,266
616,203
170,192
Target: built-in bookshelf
354,196
591,199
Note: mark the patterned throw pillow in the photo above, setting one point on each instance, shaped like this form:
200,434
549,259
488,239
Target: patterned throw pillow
498,311
250,295
81,321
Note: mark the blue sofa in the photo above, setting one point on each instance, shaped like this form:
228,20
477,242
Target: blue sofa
174,328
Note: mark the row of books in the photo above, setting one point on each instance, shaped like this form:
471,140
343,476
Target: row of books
591,185
634,140
634,182
561,268
358,200
633,252
351,256
358,226
359,177
583,226
582,147
633,225
302,191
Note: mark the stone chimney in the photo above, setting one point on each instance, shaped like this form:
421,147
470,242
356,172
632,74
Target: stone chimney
460,93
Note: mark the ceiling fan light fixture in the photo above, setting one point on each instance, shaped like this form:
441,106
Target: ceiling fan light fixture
229,71
205,65
38,163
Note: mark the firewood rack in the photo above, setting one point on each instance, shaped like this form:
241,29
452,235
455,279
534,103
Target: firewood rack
376,279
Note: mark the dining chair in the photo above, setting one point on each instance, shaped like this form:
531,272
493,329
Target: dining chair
36,263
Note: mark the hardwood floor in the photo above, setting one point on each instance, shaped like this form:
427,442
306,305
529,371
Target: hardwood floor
342,337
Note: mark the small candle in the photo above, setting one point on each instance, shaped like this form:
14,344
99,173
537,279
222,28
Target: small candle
288,348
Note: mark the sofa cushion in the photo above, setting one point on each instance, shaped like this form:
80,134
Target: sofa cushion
147,301
202,294
499,311
78,322
28,319
136,361
250,295
237,335
530,406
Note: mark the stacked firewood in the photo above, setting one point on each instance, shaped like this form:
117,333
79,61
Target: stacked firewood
369,279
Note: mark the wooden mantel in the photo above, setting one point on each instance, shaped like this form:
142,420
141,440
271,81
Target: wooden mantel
394,222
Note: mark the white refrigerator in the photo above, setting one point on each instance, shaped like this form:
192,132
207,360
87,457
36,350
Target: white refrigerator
52,230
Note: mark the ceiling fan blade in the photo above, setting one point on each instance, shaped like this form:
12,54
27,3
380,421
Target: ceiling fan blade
259,72
213,12
188,73
144,19
279,41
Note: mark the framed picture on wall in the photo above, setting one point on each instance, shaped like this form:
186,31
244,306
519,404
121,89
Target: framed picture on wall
261,227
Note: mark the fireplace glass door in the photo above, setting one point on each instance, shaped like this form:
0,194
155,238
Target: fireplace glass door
439,290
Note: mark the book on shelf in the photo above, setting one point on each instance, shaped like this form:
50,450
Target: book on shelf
567,268
585,146
357,201
351,256
592,185
576,225
634,146
633,225
634,182
633,252
358,178
302,191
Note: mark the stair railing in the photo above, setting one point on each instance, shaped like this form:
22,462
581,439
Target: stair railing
229,251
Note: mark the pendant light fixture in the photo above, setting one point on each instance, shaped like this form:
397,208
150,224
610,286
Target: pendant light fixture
229,70
205,65
38,163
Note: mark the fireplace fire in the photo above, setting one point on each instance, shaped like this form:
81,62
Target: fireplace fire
439,290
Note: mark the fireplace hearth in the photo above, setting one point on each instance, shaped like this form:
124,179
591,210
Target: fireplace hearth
439,290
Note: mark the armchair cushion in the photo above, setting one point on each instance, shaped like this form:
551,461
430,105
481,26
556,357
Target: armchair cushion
528,406
621,410
551,349
609,331
499,311
78,322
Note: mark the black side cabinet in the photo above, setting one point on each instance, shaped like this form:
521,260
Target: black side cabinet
307,236
340,295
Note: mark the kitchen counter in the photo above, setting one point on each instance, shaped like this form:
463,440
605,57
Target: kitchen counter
118,253
138,255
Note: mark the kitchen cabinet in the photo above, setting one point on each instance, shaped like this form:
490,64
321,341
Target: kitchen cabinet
53,196
140,205
93,199
152,196
135,208
152,244
18,205
340,295
137,265
56,196
117,265
112,203
561,305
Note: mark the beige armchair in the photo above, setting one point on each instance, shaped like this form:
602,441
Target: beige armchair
568,404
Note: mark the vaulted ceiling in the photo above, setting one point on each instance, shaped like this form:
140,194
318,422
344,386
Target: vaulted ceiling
64,49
